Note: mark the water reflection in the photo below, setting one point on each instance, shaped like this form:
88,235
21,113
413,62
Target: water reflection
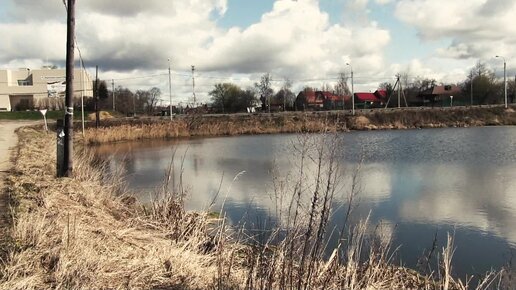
416,182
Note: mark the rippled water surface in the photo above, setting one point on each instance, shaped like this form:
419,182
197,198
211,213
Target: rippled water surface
415,183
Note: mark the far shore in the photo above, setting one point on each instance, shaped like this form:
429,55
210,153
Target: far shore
130,129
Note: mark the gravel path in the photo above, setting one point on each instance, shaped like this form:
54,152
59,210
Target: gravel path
8,140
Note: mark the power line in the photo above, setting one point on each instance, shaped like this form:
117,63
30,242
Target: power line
140,77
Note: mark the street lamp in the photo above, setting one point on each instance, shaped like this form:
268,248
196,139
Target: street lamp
352,90
170,88
451,101
504,78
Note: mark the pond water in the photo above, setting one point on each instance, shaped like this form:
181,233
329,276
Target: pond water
416,183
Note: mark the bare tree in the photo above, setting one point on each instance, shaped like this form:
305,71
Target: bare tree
153,99
285,95
486,90
140,101
265,91
341,88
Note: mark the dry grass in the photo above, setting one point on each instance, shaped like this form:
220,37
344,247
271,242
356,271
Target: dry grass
210,126
296,122
103,115
84,233
75,233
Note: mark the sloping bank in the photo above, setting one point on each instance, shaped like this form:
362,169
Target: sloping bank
296,122
84,233
81,233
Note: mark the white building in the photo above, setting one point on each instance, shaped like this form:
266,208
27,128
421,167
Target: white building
23,89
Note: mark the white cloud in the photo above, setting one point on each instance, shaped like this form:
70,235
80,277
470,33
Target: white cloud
295,39
383,2
478,207
478,28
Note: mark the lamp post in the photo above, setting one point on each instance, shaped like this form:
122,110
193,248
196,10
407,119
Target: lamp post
451,101
352,91
170,88
504,78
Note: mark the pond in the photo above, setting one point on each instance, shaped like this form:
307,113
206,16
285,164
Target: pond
419,184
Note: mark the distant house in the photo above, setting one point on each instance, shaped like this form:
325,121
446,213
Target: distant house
368,100
319,100
439,94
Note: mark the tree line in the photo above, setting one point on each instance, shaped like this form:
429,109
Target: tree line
230,98
480,87
126,102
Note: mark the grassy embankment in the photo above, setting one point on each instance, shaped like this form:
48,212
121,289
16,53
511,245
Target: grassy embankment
295,122
85,233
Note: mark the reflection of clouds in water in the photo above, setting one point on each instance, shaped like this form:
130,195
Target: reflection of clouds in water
376,182
443,176
455,196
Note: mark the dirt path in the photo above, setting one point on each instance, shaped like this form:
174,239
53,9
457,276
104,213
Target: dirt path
8,140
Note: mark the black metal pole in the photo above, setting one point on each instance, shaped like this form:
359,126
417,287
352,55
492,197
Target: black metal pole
68,121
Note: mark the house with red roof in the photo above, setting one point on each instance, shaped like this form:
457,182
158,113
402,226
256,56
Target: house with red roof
319,100
368,100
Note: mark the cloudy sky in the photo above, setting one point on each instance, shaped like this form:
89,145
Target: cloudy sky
306,41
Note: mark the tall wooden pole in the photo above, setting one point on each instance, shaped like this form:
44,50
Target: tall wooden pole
113,94
471,90
68,121
97,113
193,86
170,89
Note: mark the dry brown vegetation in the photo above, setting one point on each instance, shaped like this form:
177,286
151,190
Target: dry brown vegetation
295,122
84,233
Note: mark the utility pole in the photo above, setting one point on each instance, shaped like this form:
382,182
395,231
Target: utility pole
505,81
352,90
113,93
134,105
471,89
170,88
193,85
67,168
399,90
82,97
97,113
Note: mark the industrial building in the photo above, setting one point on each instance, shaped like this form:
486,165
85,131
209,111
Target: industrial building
26,89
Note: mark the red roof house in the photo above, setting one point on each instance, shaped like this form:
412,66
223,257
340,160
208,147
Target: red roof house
319,100
375,99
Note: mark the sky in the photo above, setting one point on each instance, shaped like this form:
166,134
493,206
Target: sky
306,41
